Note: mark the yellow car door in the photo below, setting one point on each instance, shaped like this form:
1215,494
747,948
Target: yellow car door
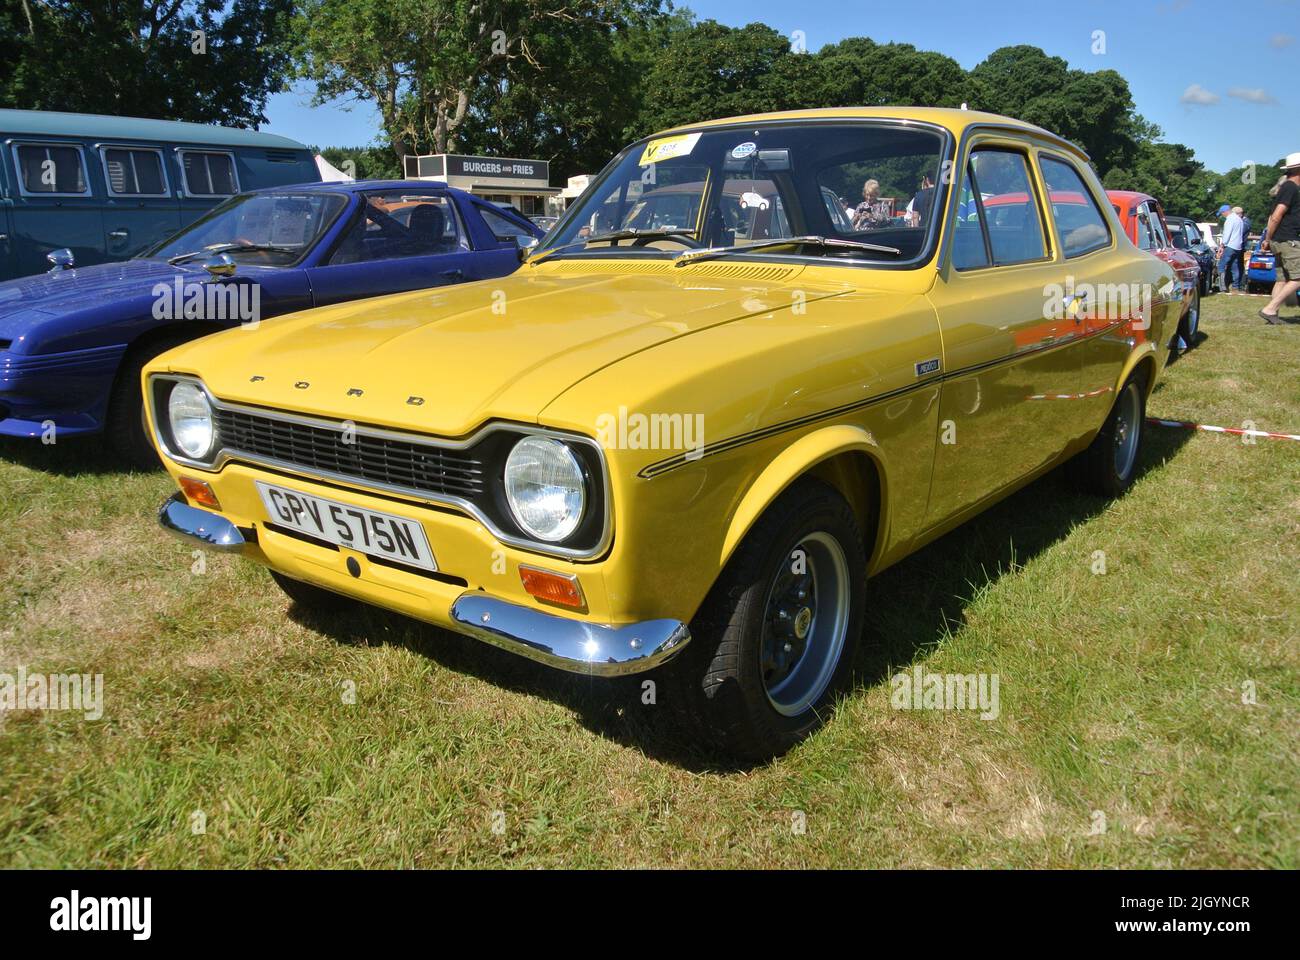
1010,367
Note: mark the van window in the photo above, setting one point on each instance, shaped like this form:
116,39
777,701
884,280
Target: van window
134,173
51,168
209,174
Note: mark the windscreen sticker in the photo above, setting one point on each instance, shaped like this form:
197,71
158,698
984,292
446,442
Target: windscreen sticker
665,148
743,150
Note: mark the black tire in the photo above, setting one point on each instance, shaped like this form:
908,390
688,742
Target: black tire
719,687
125,435
1098,469
312,598
1191,321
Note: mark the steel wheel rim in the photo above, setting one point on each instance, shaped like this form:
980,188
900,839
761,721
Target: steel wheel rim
1127,429
803,637
1194,316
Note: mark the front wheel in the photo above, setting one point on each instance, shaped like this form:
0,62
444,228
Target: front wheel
126,432
773,643
1108,466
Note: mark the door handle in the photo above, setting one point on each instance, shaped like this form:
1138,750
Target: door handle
454,274
4,238
120,234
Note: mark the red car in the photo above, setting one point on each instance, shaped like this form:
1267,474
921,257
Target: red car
1144,222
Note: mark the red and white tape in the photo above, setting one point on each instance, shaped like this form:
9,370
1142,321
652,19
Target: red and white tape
1186,425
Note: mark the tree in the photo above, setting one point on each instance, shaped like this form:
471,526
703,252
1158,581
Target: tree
1094,110
549,107
427,64
207,61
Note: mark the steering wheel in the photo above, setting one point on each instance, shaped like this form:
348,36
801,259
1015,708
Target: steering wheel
689,242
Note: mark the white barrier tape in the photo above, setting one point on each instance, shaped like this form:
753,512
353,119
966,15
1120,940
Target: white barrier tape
1186,425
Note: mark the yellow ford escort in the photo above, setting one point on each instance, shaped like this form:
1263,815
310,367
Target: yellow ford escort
758,361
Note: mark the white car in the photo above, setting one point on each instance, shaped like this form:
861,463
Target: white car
753,201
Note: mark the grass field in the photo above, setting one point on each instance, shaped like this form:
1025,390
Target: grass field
1120,692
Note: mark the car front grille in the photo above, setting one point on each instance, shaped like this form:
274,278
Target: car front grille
366,459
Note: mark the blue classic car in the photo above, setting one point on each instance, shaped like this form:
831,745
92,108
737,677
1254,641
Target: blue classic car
73,341
1261,269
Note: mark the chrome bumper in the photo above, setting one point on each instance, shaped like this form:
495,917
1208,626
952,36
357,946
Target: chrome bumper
573,645
209,530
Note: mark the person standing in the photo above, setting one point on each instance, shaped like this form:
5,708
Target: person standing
873,212
1282,235
1245,245
1230,244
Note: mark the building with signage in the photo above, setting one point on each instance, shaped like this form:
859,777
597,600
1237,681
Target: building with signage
523,184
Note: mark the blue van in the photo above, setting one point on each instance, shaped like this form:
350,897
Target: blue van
107,188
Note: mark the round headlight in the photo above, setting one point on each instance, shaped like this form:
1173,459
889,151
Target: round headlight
190,416
544,488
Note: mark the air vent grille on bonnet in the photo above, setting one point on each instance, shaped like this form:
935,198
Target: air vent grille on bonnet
721,271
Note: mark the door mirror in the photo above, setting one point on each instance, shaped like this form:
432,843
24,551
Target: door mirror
60,260
525,246
222,265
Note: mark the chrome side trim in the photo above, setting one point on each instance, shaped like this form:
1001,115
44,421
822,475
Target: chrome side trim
467,507
209,530
592,649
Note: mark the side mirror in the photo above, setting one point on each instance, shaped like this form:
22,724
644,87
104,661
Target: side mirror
524,246
222,265
60,260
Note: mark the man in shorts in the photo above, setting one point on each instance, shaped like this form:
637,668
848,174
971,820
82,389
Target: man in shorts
1282,235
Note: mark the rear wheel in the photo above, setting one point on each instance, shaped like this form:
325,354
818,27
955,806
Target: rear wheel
1191,321
773,643
1108,466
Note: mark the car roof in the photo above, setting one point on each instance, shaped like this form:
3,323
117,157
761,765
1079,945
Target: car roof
94,126
956,121
1129,198
366,186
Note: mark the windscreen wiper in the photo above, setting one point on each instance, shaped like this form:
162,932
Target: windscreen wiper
229,248
611,237
709,253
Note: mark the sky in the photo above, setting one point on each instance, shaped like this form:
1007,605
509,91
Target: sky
1219,77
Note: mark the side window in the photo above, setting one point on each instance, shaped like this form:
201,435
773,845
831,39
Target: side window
51,168
1078,219
502,227
393,226
969,249
1011,213
134,173
209,174
1145,232
1157,226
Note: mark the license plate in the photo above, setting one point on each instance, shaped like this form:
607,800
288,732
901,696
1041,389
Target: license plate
366,531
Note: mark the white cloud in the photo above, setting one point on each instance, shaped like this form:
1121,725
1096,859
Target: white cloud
1198,96
1280,40
1251,94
